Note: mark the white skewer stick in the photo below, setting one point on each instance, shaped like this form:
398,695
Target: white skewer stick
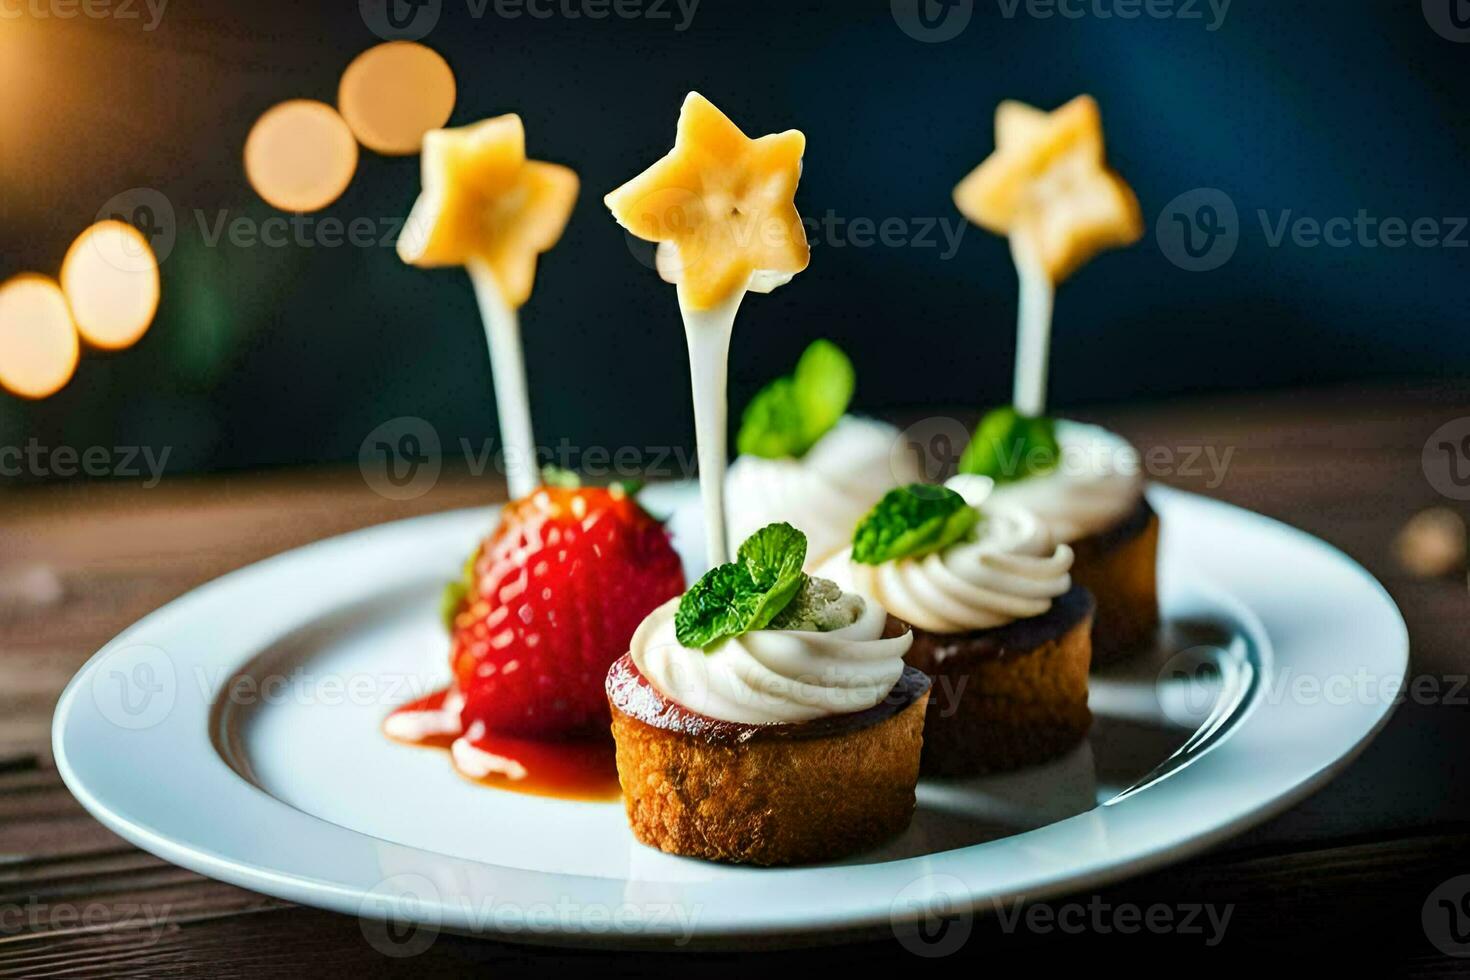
508,369
1033,330
708,333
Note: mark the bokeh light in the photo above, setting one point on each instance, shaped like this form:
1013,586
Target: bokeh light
110,278
300,155
394,93
38,343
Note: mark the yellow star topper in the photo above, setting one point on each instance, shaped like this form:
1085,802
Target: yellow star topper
1048,187
721,206
483,203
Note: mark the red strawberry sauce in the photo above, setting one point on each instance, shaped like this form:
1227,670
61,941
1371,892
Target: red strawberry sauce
580,768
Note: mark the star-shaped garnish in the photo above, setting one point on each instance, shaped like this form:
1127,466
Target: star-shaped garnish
484,203
1048,187
721,206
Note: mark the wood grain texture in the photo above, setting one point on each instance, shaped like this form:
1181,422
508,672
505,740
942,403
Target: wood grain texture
1347,871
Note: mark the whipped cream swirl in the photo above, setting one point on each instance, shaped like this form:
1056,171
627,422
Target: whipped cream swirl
825,492
1011,569
1097,483
773,676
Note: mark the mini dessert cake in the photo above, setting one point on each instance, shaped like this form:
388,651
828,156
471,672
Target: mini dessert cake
767,717
998,624
1086,485
804,461
1048,188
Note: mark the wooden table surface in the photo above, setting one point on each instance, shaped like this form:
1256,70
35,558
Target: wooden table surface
1347,871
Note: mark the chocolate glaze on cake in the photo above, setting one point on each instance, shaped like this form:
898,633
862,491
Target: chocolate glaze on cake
629,692
935,653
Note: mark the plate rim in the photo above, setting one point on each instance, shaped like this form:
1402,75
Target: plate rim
836,923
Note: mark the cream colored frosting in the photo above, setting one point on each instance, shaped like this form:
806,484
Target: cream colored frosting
1010,569
773,676
1097,483
824,493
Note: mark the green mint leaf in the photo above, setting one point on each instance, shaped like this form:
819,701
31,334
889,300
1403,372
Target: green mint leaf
773,554
1008,446
771,426
745,594
912,521
789,415
824,384
773,557
716,607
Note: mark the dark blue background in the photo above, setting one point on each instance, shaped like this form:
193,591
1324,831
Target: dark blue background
282,355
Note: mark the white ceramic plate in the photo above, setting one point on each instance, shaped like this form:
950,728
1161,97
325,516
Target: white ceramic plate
235,732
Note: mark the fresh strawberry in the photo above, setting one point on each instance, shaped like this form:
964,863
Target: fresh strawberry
551,600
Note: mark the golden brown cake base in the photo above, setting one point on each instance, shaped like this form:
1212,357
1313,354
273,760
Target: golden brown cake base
755,794
1008,697
1119,567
